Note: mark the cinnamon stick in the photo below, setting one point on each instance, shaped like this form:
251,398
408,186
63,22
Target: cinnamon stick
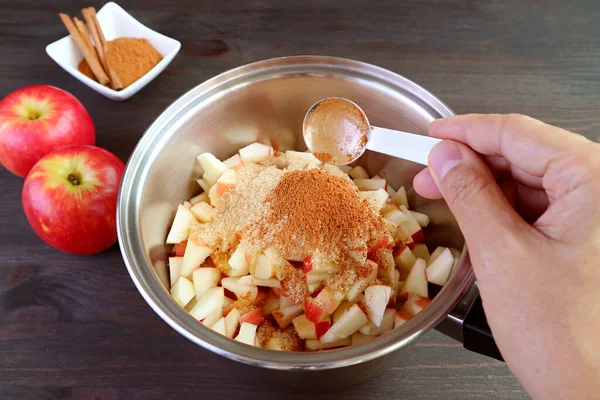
101,46
88,53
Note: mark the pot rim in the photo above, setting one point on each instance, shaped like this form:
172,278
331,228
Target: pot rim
143,275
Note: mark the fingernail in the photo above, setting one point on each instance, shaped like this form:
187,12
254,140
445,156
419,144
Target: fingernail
444,126
443,157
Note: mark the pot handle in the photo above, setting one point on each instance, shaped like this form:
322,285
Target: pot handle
467,324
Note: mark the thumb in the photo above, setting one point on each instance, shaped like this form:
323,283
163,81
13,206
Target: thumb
477,202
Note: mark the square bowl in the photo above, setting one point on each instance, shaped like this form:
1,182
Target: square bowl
115,23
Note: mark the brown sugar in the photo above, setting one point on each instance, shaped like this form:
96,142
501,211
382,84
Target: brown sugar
130,58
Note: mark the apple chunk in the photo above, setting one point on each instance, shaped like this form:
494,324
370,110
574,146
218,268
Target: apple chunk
416,281
439,270
209,303
247,333
314,344
238,262
415,304
255,152
227,181
175,268
284,316
301,158
358,172
248,292
182,291
400,197
204,279
304,328
401,317
370,184
375,198
404,258
195,254
377,297
349,323
212,166
181,225
386,325
203,211
231,322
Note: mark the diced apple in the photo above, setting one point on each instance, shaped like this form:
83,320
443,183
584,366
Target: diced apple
284,316
262,268
211,301
181,225
255,152
400,197
345,168
375,198
415,304
179,248
219,326
212,318
293,157
391,191
313,310
227,181
370,184
250,280
247,292
304,328
202,197
401,317
439,270
314,288
254,317
341,310
214,196
329,299
315,277
190,305
212,166
396,217
322,327
285,302
377,298
413,227
420,251
389,206
358,172
203,212
175,268
416,281
404,258
314,344
195,254
227,302
435,254
386,325
247,334
422,219
361,284
234,161
231,322
204,279
349,323
359,338
182,291
271,303
204,185
456,254
403,237
238,262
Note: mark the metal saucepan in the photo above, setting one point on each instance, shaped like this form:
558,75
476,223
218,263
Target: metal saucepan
268,100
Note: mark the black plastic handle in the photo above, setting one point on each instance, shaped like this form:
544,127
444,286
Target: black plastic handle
476,333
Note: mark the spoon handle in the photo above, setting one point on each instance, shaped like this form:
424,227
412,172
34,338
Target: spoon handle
408,146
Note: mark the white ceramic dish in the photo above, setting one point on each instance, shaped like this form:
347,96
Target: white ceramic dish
115,23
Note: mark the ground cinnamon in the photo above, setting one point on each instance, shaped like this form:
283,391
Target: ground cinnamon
130,58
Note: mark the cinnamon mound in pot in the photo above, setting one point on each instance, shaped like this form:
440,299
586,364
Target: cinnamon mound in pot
319,214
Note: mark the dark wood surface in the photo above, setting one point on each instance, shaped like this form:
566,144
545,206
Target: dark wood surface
76,328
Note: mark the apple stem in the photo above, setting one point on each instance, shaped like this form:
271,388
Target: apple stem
73,179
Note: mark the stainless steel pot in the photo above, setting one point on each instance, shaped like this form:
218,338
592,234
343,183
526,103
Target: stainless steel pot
268,99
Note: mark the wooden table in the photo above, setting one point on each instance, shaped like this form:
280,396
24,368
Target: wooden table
76,328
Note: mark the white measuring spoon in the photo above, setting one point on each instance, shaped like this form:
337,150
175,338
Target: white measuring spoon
337,131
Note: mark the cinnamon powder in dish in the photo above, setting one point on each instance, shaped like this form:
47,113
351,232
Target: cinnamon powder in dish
130,58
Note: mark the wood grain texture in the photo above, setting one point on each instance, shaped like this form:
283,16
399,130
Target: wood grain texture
76,328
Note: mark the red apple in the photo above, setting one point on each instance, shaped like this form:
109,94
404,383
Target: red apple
36,120
70,198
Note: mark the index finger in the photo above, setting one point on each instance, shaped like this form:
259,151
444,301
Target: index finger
525,142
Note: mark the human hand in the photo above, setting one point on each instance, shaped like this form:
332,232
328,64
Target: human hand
526,196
